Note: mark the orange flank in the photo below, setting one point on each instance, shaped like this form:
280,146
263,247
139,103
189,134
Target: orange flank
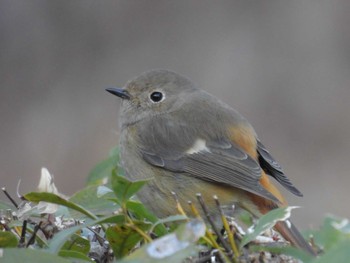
244,137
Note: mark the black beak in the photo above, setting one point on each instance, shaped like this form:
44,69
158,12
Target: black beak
121,93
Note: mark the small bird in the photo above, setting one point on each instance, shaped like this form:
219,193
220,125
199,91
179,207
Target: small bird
190,142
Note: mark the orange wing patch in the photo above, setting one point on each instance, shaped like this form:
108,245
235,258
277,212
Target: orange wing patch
244,137
265,182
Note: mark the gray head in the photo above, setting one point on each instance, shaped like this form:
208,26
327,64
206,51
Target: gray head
153,92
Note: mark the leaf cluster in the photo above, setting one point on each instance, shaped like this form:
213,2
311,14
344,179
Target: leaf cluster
105,223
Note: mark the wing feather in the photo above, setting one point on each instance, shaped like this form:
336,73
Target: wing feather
221,164
272,168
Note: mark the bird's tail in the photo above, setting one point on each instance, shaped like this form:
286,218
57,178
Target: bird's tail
292,234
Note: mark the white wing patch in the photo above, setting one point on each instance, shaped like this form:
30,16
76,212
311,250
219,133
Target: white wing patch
198,146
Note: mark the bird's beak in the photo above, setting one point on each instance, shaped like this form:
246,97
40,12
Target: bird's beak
121,93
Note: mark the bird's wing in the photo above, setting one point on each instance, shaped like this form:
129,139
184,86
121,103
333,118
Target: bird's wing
217,161
272,168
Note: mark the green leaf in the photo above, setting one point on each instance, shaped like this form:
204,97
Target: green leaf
124,238
5,205
245,217
103,170
142,255
169,219
296,253
267,221
11,255
140,212
123,188
171,248
114,219
103,191
59,239
333,231
8,239
52,198
78,244
338,253
74,256
88,199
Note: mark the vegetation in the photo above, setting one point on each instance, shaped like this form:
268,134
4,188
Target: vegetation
104,223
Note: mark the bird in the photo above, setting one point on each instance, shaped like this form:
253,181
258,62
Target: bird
189,141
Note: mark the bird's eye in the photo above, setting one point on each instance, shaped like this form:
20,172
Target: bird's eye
156,96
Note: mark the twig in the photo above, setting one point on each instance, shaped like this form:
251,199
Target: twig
22,239
227,228
178,205
217,232
208,236
9,197
32,238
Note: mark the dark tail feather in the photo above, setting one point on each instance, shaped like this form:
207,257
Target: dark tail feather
291,234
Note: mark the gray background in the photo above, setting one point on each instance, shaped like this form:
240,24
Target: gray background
283,64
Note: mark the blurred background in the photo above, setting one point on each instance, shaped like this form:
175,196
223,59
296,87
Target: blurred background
285,65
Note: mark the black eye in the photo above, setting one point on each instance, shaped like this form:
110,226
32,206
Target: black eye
156,96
